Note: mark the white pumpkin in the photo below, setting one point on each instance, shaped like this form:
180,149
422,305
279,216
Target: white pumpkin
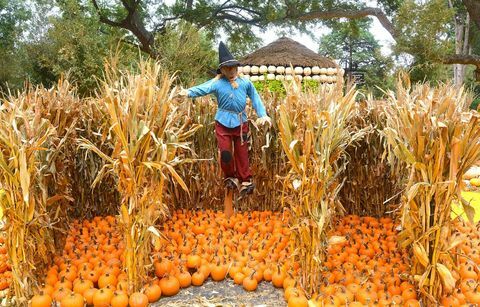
240,69
316,77
288,70
254,70
280,77
270,77
271,69
315,70
324,78
323,71
254,78
289,77
298,77
263,69
307,71
261,78
307,78
246,69
331,79
280,70
331,71
298,70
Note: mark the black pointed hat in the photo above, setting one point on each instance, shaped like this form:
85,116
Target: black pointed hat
225,58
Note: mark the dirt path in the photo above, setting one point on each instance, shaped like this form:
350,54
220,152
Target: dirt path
224,293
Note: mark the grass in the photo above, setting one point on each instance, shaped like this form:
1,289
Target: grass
474,199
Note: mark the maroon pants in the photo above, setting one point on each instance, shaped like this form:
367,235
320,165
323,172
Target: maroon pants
233,152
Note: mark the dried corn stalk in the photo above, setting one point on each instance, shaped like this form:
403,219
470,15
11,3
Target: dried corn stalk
146,136
432,131
314,134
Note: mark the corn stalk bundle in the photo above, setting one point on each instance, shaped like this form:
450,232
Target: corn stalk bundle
34,130
147,135
432,131
373,184
314,134
101,199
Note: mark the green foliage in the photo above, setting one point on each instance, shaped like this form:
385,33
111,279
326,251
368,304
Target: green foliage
13,17
274,86
188,51
77,44
475,104
424,29
353,45
277,87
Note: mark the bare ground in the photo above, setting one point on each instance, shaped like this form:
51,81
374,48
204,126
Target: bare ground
224,293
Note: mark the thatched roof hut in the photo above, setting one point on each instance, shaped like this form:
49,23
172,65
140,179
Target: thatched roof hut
285,52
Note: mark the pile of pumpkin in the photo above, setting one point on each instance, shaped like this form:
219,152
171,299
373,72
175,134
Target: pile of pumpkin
5,269
466,271
367,268
198,245
364,266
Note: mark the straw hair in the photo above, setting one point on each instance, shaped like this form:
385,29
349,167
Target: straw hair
232,82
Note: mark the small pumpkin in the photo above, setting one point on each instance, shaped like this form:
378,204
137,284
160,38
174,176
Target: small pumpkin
184,278
73,300
119,299
169,285
88,295
153,292
250,283
198,278
102,297
218,272
138,299
41,300
107,279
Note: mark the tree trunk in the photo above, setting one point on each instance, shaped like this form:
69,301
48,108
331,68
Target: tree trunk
462,46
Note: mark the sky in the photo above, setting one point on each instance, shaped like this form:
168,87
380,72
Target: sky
381,35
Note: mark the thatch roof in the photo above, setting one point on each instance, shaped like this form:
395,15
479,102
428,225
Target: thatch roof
285,52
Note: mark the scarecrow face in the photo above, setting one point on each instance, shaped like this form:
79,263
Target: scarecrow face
230,72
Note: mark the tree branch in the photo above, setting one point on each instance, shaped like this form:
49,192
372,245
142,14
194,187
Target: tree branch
464,59
104,19
134,23
350,14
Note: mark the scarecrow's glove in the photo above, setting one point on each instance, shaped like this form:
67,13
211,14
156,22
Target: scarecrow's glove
263,120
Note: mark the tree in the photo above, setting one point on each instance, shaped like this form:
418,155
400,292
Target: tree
13,17
394,23
237,17
355,47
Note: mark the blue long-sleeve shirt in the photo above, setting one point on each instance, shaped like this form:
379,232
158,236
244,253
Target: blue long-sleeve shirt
231,102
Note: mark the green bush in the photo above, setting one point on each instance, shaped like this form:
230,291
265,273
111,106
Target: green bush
475,103
276,86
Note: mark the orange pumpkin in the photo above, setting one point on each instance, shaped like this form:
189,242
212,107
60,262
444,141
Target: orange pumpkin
119,299
73,300
153,292
250,283
138,299
169,285
41,300
198,278
102,297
